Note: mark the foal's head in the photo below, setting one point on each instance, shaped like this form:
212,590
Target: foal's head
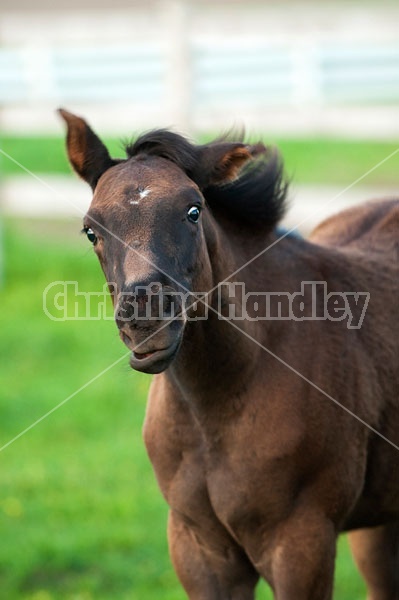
150,221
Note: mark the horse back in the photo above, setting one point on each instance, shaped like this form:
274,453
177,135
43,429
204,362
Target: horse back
374,224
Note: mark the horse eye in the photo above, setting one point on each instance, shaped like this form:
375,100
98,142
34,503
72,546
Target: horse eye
193,214
91,236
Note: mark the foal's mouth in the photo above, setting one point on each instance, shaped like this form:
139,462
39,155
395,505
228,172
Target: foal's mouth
143,355
154,361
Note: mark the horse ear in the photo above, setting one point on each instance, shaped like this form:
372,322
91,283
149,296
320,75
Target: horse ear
87,154
221,162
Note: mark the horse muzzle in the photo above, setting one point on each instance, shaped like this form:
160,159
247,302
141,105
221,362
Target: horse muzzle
151,321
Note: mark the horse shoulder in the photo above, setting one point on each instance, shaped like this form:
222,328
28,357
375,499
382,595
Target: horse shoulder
280,448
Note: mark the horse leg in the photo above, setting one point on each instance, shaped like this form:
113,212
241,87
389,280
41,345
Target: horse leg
376,552
299,558
208,567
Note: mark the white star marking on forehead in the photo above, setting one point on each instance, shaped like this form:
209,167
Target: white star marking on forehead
143,193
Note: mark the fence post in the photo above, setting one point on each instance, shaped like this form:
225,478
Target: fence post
306,74
176,22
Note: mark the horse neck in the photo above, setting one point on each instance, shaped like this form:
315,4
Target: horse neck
218,358
218,355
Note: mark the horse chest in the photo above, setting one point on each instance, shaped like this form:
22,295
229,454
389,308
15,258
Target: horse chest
240,472
243,496
241,490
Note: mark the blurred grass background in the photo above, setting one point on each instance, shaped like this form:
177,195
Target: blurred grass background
81,516
311,161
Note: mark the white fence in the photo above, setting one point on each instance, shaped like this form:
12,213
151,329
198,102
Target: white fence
201,82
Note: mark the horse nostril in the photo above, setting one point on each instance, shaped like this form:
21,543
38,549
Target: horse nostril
126,339
125,310
141,300
171,305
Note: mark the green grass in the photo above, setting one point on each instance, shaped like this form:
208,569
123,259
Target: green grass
318,161
80,513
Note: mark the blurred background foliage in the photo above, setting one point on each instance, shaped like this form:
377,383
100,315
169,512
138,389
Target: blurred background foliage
81,516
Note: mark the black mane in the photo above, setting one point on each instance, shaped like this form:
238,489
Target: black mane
256,198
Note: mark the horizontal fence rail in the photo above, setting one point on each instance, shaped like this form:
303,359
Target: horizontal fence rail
219,75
